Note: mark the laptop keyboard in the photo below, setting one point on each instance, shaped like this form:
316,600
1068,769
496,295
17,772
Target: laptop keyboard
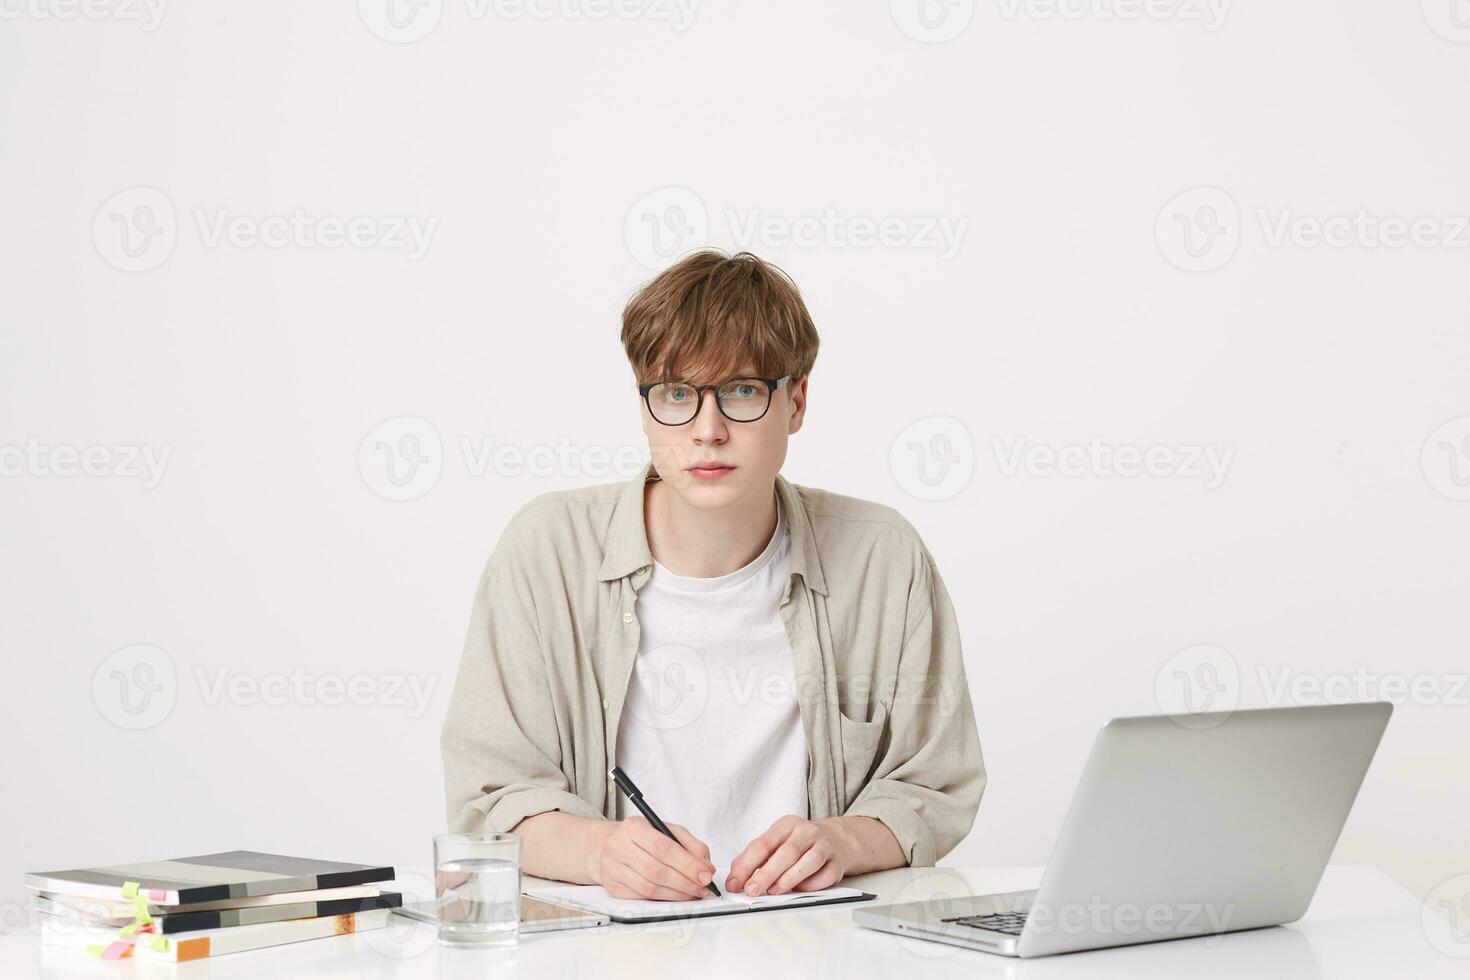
1009,923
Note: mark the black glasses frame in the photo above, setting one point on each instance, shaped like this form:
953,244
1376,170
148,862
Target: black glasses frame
771,385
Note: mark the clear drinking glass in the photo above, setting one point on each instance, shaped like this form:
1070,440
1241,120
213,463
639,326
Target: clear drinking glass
477,884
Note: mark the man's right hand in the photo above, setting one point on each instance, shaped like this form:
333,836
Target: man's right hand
636,861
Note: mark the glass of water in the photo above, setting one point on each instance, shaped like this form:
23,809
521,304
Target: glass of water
477,885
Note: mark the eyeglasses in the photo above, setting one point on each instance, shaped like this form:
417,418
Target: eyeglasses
739,399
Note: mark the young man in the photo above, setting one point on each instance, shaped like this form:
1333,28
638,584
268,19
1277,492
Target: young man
777,667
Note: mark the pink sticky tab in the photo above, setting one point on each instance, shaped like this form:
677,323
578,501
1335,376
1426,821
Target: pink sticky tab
156,894
117,951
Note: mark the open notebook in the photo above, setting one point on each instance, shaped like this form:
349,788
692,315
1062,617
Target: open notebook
595,898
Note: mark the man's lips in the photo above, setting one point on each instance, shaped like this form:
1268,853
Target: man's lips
712,466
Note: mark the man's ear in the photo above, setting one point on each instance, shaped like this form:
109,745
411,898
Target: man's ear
798,405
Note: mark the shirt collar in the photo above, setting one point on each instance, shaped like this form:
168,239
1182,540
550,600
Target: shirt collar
627,539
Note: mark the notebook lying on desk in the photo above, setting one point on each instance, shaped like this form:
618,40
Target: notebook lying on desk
594,898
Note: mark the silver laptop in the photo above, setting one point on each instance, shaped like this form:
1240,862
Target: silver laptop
1176,831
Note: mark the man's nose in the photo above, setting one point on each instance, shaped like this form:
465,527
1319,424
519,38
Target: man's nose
709,424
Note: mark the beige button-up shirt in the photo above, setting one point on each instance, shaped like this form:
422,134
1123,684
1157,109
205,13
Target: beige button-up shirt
553,637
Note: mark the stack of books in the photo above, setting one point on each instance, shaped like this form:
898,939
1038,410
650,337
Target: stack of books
193,907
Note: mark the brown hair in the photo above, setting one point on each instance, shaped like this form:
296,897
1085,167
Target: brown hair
706,315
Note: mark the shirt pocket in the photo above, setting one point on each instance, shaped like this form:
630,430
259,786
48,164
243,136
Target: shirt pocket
861,741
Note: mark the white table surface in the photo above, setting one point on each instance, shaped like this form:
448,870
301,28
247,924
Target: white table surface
1361,924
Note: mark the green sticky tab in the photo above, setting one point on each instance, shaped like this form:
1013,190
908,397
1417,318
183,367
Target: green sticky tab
130,889
128,930
159,943
95,949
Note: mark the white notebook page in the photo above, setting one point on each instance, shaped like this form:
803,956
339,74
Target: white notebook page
595,898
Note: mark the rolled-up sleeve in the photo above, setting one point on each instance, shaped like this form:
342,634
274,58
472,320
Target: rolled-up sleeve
502,755
927,785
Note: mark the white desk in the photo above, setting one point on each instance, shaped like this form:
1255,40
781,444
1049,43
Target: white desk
1360,925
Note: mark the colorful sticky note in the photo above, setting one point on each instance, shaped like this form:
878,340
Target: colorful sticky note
117,951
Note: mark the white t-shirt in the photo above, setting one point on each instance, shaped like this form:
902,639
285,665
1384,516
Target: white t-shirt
711,732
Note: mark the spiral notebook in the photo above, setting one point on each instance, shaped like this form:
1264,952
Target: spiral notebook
594,898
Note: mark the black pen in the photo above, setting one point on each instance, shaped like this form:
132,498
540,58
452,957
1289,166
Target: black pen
636,798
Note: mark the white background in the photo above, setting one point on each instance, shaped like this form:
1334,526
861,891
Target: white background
1335,544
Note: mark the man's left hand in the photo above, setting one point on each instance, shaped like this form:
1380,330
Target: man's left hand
795,854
